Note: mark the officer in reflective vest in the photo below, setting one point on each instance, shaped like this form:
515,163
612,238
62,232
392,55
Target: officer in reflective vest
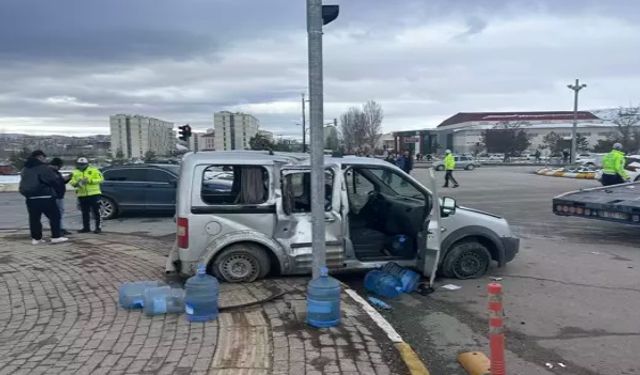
613,163
87,179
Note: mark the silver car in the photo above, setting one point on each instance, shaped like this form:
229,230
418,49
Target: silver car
375,213
462,162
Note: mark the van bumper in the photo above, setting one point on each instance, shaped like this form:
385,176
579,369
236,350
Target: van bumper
511,246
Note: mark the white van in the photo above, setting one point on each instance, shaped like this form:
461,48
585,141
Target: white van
259,221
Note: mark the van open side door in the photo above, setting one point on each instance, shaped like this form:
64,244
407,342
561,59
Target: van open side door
429,255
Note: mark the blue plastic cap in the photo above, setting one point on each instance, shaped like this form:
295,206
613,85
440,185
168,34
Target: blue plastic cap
324,272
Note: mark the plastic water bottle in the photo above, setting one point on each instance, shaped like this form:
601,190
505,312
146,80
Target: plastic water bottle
162,300
131,294
201,297
382,284
401,245
323,301
408,278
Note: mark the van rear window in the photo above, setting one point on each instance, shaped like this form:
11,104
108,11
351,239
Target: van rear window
235,185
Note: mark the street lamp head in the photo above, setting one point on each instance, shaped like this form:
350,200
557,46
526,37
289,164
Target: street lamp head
570,86
583,85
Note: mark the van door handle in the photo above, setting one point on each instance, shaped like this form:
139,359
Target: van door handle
329,219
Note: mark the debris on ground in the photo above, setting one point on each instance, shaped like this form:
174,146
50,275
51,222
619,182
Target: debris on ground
562,365
451,287
549,365
376,302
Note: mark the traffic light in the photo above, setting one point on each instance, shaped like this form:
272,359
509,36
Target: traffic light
329,13
185,132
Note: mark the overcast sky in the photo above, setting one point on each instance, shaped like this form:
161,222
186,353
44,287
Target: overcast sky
66,65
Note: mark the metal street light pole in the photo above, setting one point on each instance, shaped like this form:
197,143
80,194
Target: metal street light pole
314,30
576,89
304,126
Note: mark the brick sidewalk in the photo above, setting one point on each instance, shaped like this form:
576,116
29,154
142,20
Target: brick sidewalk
60,315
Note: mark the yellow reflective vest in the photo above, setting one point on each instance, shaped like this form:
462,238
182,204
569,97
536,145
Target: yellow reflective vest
613,163
449,162
87,182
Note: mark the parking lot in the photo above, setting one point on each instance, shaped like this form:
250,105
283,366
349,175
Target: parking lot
571,295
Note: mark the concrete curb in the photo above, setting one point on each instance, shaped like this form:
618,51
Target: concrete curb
408,355
560,173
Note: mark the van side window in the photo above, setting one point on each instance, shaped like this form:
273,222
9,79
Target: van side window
235,185
297,192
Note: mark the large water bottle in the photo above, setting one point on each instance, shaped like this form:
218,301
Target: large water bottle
201,297
382,284
323,301
131,294
163,300
407,277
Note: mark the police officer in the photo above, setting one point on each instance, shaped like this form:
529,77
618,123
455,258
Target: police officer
613,163
87,179
449,166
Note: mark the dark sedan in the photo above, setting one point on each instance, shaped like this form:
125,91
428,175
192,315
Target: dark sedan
149,188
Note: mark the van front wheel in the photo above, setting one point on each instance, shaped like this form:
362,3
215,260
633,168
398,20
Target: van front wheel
466,260
241,263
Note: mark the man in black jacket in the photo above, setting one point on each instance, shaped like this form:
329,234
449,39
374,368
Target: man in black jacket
38,184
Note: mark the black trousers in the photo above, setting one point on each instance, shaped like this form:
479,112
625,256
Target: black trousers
87,205
448,176
48,207
611,179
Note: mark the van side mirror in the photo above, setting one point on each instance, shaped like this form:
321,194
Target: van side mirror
448,207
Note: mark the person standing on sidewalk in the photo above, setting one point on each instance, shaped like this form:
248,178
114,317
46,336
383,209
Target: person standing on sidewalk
449,166
37,184
61,189
613,163
87,179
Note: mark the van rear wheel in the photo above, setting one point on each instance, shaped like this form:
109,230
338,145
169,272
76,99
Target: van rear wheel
241,263
466,260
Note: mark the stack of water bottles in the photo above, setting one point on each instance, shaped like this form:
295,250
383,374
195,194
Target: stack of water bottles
391,280
199,299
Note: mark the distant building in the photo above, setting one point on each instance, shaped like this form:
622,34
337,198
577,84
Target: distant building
135,135
462,132
202,141
234,130
208,140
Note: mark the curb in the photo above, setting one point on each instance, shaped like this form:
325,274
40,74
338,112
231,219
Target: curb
408,355
559,173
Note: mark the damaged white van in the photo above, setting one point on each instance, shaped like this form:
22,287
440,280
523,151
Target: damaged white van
247,214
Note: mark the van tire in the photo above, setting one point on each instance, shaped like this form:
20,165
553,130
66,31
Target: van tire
242,262
466,260
440,168
470,167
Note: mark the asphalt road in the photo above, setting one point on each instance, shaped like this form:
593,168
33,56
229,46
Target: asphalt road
571,294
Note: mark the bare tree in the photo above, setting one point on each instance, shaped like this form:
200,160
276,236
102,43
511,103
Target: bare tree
361,127
628,122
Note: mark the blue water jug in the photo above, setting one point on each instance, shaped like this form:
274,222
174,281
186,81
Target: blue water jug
408,278
131,294
163,300
382,284
323,301
201,296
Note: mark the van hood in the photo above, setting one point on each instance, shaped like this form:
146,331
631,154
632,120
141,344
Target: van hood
479,212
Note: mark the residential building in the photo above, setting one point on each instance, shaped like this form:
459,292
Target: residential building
234,130
463,131
135,135
208,141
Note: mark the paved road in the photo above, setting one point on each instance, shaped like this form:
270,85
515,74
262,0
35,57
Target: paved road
571,295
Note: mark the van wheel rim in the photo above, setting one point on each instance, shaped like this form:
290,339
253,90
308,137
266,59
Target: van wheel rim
106,208
240,267
469,264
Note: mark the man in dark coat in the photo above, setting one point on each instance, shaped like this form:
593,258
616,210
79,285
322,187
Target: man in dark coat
38,185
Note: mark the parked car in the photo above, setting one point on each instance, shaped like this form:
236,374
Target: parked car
374,213
462,162
149,188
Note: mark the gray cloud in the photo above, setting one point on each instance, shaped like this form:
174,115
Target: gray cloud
67,65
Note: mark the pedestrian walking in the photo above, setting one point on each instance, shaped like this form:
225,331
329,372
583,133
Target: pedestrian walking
537,156
613,163
37,185
405,162
61,189
87,179
449,166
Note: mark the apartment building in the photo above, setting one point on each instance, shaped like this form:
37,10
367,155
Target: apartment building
234,130
135,135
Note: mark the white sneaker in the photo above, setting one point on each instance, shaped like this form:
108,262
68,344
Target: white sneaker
35,242
59,240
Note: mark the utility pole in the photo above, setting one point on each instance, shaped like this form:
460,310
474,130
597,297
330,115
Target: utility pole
304,126
317,16
574,131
